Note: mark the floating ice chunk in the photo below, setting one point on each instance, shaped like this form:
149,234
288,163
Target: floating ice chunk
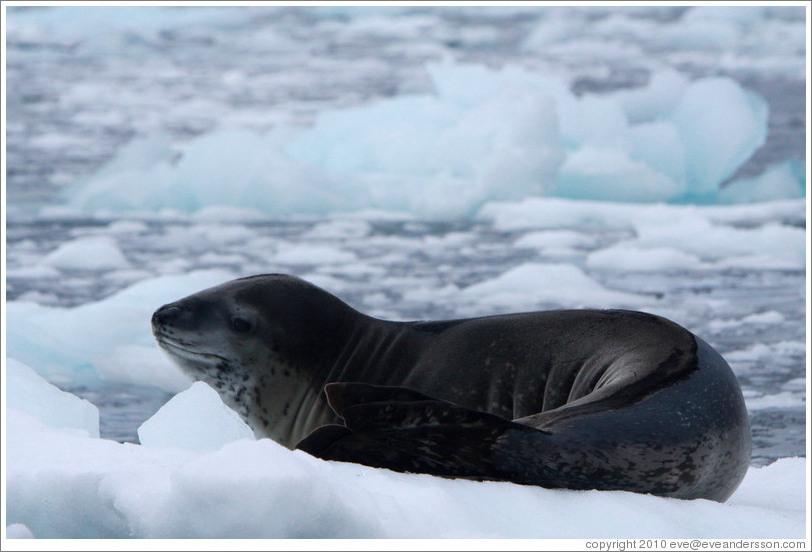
312,254
143,365
127,227
783,399
100,29
227,168
700,237
721,126
782,181
720,325
705,34
626,257
767,318
594,121
556,240
740,15
194,419
224,234
126,180
762,351
795,384
68,343
88,253
30,393
655,99
339,228
18,531
750,354
555,27
659,145
32,272
467,85
609,174
441,155
425,154
548,212
485,135
530,285
711,27
760,262
764,318
222,213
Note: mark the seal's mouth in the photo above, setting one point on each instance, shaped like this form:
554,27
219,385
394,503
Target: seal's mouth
186,352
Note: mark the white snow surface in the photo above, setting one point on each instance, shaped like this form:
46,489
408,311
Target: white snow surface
218,484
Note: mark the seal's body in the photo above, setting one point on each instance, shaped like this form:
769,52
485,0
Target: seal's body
582,399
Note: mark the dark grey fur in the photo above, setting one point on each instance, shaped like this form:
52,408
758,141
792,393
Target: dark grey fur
582,399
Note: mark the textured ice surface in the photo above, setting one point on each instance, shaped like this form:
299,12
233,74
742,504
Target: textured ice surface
191,480
36,397
195,419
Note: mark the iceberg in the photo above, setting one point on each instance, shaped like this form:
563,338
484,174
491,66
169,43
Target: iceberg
484,135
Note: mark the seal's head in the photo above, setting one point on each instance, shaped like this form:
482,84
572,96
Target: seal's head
265,343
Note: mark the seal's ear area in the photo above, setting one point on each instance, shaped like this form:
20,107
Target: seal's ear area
342,395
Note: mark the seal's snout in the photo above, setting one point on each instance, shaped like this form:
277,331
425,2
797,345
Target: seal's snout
168,315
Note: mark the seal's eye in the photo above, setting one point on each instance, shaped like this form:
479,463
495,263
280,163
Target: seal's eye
241,325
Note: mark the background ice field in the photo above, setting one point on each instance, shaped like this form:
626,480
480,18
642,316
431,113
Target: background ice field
419,163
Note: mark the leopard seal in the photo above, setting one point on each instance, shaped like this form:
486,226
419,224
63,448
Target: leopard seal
579,399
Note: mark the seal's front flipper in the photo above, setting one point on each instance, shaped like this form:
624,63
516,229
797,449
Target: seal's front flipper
403,430
322,438
341,395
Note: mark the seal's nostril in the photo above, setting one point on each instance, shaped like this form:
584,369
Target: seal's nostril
166,314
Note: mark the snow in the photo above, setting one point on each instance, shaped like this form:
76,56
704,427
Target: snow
219,484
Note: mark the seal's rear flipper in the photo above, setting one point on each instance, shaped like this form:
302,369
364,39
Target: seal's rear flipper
403,430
